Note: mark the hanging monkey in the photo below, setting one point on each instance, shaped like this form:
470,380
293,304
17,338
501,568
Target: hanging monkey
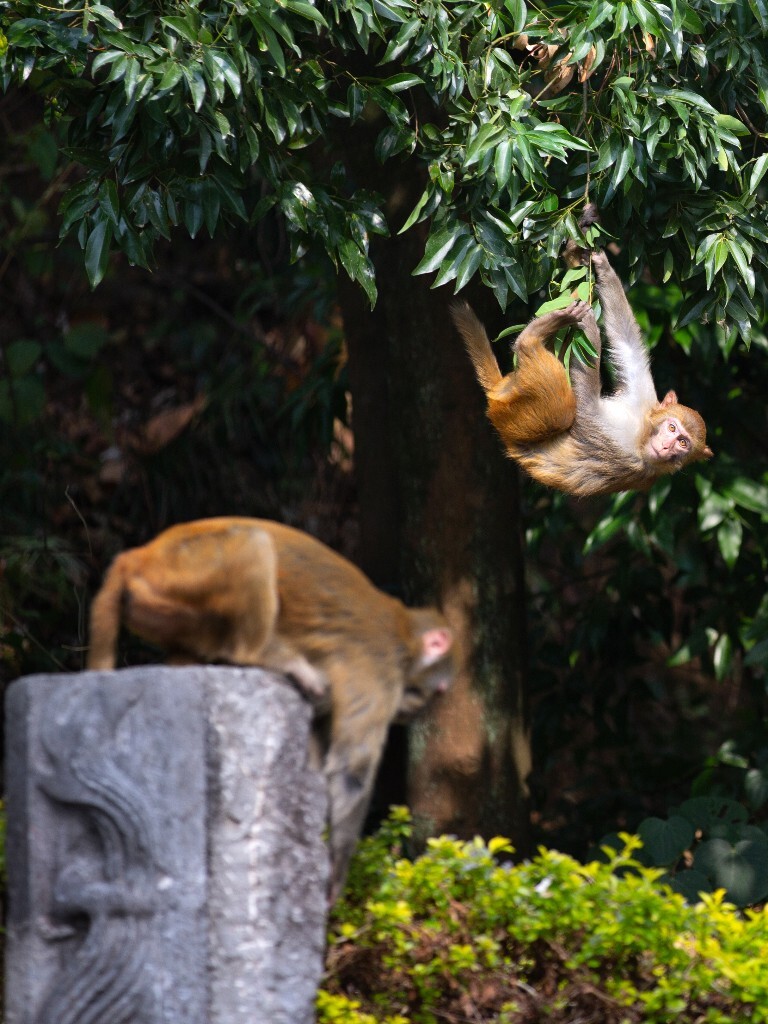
253,592
566,434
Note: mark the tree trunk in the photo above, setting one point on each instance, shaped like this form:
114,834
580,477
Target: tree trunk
439,523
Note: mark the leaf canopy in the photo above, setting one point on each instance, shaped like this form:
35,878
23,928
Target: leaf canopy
183,113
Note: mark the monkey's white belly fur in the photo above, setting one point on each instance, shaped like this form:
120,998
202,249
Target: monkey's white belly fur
625,423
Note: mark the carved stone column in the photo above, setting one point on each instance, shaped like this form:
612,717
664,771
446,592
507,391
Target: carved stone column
165,860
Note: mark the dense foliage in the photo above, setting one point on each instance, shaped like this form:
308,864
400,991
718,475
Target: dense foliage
457,935
170,109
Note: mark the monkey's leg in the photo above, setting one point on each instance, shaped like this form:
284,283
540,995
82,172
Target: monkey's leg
209,597
535,402
529,346
106,612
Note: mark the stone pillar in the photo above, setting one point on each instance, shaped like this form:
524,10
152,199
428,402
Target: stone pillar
165,859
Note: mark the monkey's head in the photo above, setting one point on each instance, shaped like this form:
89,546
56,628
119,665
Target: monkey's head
433,662
677,435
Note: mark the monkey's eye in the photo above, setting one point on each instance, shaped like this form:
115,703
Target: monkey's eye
683,442
671,427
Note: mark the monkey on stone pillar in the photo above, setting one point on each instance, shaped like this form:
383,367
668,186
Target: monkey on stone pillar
253,592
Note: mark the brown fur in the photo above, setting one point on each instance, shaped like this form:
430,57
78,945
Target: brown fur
253,592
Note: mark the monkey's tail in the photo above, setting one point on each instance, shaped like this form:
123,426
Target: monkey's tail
477,345
106,613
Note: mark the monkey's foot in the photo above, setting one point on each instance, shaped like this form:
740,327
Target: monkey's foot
312,682
575,255
570,315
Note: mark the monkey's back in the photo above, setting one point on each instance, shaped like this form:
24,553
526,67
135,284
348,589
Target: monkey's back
567,463
325,601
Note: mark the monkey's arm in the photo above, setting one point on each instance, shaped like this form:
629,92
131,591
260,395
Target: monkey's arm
629,355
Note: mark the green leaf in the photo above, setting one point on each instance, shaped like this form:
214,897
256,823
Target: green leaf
516,280
664,842
607,528
397,83
707,812
722,656
414,214
171,76
22,401
86,339
756,787
485,138
731,124
468,266
21,356
211,205
270,43
97,251
438,246
227,69
740,259
109,201
691,99
196,85
502,162
599,12
306,10
759,168
561,301
729,537
749,494
193,217
713,510
692,309
106,57
741,868
760,11
399,44
519,14
106,14
453,262
690,884
187,28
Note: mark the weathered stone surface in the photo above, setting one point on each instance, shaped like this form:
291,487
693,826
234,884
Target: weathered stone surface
164,849
268,863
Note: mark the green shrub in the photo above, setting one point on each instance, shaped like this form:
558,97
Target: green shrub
456,935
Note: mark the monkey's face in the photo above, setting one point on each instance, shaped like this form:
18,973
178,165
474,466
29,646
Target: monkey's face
421,691
431,672
670,442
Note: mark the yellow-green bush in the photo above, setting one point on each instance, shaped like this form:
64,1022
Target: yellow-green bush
458,935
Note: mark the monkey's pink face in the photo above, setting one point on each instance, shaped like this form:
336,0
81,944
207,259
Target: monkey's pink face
670,440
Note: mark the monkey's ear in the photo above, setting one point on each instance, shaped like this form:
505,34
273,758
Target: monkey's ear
669,399
434,644
707,453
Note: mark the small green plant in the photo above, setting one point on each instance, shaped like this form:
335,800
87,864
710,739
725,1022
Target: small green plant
458,935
